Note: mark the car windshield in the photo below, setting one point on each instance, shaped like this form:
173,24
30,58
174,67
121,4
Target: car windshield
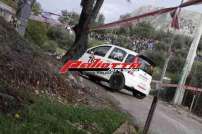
145,64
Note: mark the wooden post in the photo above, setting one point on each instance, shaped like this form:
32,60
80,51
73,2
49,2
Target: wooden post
150,115
192,103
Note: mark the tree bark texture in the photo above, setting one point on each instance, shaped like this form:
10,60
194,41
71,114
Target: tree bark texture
90,10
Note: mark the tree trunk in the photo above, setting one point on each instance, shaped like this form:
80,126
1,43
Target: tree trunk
23,13
88,15
79,46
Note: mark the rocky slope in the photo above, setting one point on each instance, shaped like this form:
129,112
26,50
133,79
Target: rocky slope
188,19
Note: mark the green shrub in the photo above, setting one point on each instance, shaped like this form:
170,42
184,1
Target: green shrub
61,36
47,116
143,29
157,56
176,64
36,32
50,46
196,74
37,9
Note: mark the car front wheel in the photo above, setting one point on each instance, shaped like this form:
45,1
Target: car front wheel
117,81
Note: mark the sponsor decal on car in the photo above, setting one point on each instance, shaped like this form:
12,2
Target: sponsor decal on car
97,65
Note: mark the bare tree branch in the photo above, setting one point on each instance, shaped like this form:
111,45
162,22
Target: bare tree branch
96,9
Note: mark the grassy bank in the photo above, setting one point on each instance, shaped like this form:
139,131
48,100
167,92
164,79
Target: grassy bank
45,116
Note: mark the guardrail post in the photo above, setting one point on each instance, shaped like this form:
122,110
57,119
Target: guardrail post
150,115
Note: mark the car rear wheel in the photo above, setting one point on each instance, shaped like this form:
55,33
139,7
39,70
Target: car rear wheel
117,81
138,94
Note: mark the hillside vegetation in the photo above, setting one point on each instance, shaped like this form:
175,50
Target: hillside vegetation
35,98
47,116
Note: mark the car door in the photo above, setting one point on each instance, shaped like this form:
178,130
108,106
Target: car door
99,52
117,55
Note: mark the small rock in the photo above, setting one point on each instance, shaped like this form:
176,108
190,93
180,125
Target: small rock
36,92
17,115
125,128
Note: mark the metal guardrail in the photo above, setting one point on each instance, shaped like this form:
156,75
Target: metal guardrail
176,85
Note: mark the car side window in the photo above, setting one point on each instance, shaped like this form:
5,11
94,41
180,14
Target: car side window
100,51
117,54
130,58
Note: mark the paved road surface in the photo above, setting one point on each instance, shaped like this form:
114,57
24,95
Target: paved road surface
167,119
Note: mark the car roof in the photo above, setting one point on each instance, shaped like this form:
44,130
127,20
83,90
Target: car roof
129,52
125,49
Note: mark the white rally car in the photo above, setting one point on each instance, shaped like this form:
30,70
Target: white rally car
138,81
